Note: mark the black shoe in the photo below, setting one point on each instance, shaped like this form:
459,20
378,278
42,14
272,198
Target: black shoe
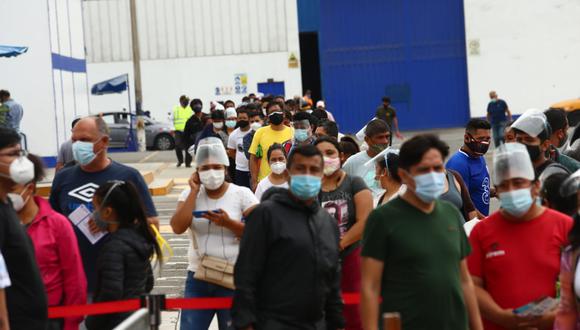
187,165
179,164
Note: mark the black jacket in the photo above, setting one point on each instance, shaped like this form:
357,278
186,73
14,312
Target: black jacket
123,272
192,128
287,274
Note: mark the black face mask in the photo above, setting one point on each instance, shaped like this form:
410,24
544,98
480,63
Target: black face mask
197,108
243,123
534,152
276,118
478,147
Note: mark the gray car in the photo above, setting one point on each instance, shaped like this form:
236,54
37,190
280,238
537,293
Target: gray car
159,136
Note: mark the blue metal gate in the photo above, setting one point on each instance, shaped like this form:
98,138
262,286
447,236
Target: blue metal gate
411,50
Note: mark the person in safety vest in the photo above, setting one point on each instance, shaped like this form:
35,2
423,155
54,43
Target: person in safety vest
181,113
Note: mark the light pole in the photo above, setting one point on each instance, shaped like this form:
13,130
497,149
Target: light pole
137,144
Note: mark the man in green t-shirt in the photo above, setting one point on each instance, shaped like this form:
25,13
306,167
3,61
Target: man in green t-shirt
414,250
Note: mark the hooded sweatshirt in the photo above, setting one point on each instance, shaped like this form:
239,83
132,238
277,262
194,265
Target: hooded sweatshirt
123,272
287,275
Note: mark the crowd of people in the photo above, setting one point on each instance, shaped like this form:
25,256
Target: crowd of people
285,213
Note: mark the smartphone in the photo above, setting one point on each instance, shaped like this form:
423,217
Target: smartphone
200,214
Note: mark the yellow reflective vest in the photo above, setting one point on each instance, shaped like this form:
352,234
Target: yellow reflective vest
180,117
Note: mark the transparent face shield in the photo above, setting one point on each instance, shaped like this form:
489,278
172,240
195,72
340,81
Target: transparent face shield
211,150
511,160
383,155
532,122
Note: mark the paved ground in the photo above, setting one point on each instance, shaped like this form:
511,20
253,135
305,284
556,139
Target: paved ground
172,277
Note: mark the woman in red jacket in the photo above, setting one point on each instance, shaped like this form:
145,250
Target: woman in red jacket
55,247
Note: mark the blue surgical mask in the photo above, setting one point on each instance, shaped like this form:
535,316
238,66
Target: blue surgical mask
429,186
300,134
83,152
305,186
516,202
231,123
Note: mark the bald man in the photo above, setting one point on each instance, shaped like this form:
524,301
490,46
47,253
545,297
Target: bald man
73,187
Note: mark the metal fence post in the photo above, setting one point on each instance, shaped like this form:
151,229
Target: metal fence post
154,303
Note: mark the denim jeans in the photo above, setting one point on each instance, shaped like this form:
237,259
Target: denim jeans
194,319
498,131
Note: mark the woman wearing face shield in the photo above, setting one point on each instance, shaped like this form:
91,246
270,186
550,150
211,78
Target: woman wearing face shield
212,209
568,316
386,168
55,246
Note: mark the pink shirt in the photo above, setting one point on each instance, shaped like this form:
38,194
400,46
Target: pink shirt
59,259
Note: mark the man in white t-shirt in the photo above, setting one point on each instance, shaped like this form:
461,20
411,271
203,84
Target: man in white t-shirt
236,149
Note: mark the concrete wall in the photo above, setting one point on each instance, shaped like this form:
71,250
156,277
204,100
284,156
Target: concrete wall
192,47
529,52
50,92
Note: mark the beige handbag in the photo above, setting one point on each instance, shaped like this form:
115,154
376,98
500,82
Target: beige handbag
214,270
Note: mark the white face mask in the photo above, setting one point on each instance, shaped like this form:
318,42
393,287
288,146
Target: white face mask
255,126
21,170
278,167
218,125
212,179
17,201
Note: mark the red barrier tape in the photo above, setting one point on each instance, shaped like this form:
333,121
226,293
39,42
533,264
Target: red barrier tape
174,303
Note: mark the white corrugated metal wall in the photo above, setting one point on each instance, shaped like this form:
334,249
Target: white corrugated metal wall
185,28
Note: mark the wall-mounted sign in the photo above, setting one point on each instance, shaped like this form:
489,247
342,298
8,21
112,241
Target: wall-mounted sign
292,61
474,47
240,86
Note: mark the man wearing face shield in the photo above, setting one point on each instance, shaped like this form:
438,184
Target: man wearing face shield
73,187
377,137
559,123
414,249
469,162
533,131
26,300
516,250
212,209
303,134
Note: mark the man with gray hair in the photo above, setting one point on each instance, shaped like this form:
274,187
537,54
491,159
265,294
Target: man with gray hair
11,110
73,187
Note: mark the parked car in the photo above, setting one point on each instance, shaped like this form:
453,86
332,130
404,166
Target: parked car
158,135
572,108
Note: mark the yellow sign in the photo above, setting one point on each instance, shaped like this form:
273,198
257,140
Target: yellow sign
292,61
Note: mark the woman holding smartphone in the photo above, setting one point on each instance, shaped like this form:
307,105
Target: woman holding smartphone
212,209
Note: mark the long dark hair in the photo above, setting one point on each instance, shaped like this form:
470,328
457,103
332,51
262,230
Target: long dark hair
127,203
574,234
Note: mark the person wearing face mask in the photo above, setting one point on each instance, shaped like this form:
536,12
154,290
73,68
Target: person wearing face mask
236,149
414,250
124,263
279,176
498,113
288,274
214,128
516,250
377,137
25,298
212,209
193,127
386,169
348,200
264,137
558,122
533,131
55,246
73,187
302,122
231,120
469,162
256,122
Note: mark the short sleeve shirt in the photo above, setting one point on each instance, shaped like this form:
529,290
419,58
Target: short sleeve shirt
266,184
519,262
340,202
211,239
73,187
421,254
263,139
236,142
496,110
475,174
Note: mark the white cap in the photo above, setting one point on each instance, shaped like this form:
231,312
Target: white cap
211,150
320,104
511,160
219,106
231,112
532,122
